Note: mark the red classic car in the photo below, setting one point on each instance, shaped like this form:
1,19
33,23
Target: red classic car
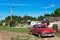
42,30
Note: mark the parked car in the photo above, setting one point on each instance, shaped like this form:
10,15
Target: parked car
42,30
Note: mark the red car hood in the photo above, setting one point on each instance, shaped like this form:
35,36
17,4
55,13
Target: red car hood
48,30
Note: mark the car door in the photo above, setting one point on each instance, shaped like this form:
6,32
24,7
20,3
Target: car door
35,29
32,29
38,29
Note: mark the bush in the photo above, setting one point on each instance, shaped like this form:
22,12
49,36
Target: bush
1,24
54,26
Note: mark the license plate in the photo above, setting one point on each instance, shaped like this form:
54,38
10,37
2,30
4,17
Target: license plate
49,34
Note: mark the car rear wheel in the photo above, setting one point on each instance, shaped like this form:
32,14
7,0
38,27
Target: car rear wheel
30,33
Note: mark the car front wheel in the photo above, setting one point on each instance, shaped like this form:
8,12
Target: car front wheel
39,35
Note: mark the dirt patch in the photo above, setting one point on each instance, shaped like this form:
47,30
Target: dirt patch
50,38
6,35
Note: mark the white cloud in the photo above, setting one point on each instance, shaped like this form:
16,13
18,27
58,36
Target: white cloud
51,6
15,4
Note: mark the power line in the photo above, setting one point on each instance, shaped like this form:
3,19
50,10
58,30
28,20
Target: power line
12,7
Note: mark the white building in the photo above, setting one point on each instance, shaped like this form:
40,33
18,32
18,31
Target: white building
33,22
52,20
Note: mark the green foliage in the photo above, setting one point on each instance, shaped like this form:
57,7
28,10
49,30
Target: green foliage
14,29
22,38
54,26
12,38
25,18
58,34
57,12
0,24
47,15
40,18
15,19
19,19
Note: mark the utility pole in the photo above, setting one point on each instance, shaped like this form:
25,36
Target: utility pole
11,13
11,22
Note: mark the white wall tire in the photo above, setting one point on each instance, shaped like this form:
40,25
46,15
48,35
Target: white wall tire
31,33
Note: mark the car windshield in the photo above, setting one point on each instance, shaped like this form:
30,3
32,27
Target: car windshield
41,26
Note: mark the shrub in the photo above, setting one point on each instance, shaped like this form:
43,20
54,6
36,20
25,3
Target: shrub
1,24
54,26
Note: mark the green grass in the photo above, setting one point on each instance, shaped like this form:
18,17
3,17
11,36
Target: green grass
22,30
22,38
15,29
12,38
58,34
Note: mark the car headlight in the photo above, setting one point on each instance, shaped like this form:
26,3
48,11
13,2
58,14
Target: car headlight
43,32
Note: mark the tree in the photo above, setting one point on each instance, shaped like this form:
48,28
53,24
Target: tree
40,18
47,15
34,19
57,12
7,20
52,15
15,19
25,18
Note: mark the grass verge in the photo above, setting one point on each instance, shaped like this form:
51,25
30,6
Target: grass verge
58,34
15,29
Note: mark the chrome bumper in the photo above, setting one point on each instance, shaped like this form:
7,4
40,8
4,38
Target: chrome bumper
53,34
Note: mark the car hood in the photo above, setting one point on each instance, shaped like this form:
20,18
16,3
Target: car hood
48,30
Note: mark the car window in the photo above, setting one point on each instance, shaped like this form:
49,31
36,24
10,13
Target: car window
43,26
36,26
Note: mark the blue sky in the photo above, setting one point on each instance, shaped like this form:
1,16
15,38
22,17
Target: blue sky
33,8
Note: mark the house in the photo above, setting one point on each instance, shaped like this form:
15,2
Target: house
30,23
53,20
33,22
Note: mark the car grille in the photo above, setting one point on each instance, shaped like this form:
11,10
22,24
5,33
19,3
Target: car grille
49,33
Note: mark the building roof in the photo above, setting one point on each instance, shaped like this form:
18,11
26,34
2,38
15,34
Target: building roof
52,19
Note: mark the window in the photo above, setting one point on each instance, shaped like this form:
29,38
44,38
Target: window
36,26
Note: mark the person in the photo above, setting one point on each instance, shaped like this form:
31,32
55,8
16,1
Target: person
45,24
